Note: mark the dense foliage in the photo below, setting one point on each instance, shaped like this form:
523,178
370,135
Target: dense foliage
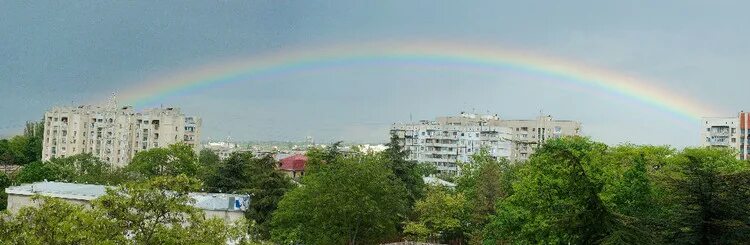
572,190
257,176
348,200
23,149
157,211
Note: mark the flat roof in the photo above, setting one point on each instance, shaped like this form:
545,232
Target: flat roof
88,192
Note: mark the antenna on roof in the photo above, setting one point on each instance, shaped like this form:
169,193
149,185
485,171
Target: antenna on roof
112,103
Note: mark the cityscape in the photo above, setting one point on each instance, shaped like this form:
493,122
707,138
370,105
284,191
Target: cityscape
400,123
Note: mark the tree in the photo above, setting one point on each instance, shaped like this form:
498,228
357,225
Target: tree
23,149
58,222
442,216
711,193
244,173
34,132
86,168
557,200
209,163
318,157
81,168
171,161
349,201
5,182
408,172
39,171
159,211
484,182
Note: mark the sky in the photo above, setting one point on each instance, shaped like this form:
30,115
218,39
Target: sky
79,52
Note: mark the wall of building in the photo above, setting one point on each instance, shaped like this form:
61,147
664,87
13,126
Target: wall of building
115,135
729,132
16,202
449,140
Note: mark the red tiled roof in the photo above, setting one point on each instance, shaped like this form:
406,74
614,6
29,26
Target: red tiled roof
293,163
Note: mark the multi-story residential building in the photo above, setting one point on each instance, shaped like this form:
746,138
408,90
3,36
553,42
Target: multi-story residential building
452,139
730,132
530,134
115,134
449,140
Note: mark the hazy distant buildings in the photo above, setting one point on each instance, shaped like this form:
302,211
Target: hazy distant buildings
224,149
448,140
115,134
730,132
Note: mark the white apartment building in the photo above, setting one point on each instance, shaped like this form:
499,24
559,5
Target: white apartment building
730,132
530,134
451,139
446,141
115,134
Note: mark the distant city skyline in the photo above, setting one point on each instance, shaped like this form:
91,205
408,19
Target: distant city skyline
80,52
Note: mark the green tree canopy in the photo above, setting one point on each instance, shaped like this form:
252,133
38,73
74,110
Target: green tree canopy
349,201
209,163
56,221
244,173
408,172
484,181
442,216
557,200
711,193
171,161
157,211
39,171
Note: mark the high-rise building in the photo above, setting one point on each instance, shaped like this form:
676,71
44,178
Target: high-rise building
530,134
730,132
115,134
448,140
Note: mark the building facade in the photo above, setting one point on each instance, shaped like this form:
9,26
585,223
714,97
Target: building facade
449,140
115,134
729,132
527,135
228,207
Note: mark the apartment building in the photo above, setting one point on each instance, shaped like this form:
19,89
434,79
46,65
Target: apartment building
730,132
527,135
115,134
448,140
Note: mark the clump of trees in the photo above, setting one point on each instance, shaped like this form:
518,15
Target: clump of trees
157,211
23,149
572,190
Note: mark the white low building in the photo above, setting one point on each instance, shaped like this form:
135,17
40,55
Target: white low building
228,207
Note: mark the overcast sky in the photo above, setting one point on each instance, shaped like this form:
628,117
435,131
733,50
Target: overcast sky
63,52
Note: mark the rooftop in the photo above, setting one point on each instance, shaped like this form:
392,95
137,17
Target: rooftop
88,192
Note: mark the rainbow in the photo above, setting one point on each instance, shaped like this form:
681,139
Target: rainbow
424,53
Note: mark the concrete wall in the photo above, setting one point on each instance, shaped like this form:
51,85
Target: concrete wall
16,202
